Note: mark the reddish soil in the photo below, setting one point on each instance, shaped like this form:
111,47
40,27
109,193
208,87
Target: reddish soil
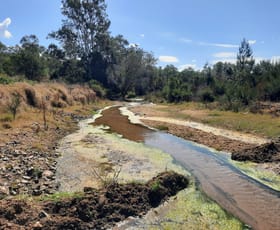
93,210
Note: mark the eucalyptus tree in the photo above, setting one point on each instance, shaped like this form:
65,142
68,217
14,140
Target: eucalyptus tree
84,34
28,59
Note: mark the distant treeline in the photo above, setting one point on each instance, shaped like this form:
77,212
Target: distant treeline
87,53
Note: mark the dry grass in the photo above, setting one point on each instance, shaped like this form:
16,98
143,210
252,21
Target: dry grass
30,120
55,95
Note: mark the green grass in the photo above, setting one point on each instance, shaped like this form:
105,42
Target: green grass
60,196
260,124
263,125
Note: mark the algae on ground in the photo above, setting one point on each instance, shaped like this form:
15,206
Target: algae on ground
253,170
193,210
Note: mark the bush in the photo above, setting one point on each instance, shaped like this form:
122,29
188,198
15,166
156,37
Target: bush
14,104
97,88
5,80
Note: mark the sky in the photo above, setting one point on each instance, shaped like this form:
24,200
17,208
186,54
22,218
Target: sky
184,33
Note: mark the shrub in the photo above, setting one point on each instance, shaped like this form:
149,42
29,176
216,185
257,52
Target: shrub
5,80
14,104
97,88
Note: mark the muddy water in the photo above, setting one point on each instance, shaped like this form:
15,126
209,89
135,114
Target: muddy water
120,124
254,203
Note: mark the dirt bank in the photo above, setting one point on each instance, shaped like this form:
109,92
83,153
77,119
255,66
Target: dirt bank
94,209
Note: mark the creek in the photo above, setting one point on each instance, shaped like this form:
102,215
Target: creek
251,201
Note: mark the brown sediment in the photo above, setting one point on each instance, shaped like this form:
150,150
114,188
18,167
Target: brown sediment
120,124
264,153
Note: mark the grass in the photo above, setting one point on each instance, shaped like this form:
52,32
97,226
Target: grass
60,196
259,124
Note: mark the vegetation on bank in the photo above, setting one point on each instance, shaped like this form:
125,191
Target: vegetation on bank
88,53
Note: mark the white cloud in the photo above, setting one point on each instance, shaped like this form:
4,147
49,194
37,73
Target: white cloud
186,66
134,45
4,28
252,42
185,40
142,35
225,60
224,55
168,59
223,45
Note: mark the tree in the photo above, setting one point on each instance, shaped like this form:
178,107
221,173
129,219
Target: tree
29,60
84,33
245,81
245,60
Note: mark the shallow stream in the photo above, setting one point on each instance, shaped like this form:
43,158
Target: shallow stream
254,203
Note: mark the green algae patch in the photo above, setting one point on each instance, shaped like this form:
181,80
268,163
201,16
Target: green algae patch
189,209
136,161
193,210
255,171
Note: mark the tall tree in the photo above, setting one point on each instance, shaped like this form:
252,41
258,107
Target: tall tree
245,60
84,33
245,80
28,59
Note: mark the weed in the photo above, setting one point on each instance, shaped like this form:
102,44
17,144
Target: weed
155,186
162,127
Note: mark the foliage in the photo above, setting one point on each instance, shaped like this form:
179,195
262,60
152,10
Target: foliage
14,104
5,80
116,69
97,88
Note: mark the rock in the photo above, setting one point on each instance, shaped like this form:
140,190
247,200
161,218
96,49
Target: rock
36,192
43,214
37,226
25,182
48,174
4,191
26,177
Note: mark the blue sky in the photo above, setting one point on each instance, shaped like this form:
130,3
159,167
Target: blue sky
179,32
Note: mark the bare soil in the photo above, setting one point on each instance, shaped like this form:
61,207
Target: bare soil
95,209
